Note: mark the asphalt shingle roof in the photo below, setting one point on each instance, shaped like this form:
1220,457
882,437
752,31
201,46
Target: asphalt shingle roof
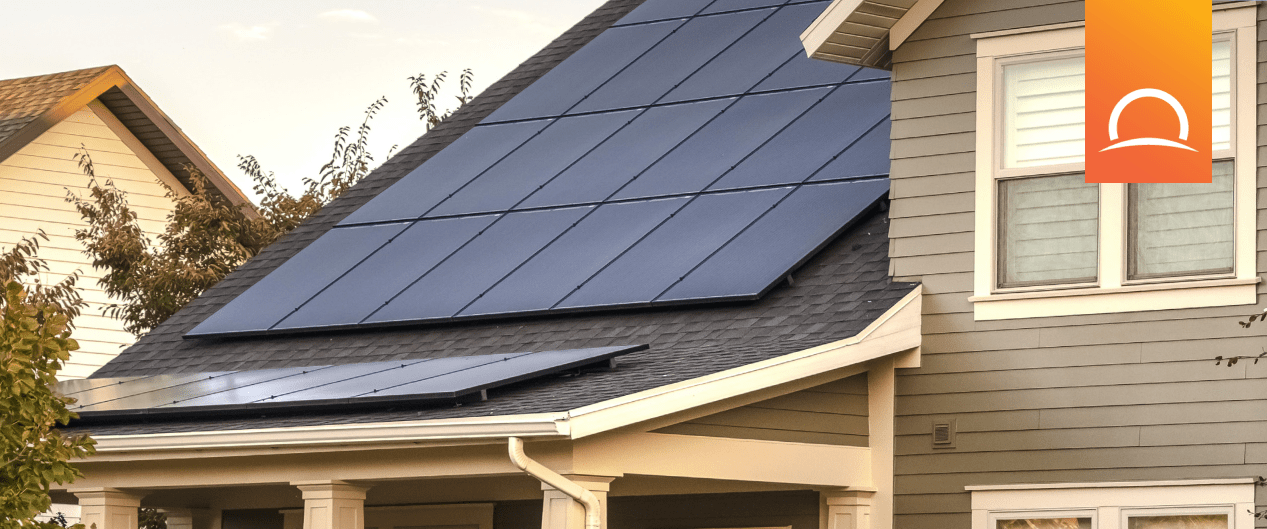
833,296
23,100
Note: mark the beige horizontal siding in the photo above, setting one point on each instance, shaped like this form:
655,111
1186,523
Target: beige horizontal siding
833,413
1071,399
33,186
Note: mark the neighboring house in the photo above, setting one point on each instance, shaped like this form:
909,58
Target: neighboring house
44,122
676,174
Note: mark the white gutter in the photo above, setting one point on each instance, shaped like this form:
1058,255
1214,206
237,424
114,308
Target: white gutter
593,512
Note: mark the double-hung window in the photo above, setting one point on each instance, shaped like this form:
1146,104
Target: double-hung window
1050,244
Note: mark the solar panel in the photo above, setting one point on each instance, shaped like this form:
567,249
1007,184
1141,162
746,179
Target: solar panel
702,226
73,388
174,394
721,144
585,70
515,368
525,171
662,10
866,157
801,71
465,275
813,140
446,172
310,388
298,279
719,6
672,61
314,380
390,270
630,151
752,58
639,171
576,256
788,234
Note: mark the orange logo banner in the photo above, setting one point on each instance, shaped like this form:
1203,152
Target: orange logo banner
1148,91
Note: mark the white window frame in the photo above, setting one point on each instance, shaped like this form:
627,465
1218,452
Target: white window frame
1112,292
1109,504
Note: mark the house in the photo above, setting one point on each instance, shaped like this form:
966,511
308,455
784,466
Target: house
458,340
44,122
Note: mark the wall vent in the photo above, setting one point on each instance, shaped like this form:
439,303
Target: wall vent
944,434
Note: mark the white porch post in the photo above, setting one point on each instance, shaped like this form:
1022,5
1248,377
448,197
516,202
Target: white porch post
560,511
108,508
881,394
332,504
847,509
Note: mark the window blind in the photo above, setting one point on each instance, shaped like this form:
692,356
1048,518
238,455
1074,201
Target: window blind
1222,103
1044,112
1183,229
1048,230
1044,109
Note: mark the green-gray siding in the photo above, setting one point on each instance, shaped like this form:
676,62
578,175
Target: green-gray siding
834,413
1083,398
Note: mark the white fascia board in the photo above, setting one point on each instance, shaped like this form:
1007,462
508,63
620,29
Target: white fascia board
546,425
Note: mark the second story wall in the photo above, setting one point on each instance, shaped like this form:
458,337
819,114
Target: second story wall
33,187
1125,396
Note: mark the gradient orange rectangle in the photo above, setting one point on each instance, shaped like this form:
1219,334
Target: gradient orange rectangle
1148,91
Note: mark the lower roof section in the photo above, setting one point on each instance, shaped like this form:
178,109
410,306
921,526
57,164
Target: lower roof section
895,334
834,296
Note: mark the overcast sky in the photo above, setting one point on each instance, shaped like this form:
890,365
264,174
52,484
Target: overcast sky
277,78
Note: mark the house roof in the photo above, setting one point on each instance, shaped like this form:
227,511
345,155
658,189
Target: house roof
31,105
833,296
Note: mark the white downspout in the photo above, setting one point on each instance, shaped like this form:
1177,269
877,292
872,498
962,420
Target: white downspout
593,514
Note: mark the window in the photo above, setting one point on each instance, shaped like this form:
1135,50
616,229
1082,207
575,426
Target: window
1191,504
1049,244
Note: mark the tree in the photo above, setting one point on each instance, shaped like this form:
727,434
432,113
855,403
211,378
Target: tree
206,236
35,327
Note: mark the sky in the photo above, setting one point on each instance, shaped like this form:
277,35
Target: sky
277,78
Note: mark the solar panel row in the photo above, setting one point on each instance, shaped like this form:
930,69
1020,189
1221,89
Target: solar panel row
718,55
749,141
273,389
664,162
550,259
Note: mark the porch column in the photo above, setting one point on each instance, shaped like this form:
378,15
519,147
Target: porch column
108,508
560,511
332,504
846,509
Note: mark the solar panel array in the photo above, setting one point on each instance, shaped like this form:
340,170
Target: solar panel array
690,153
377,383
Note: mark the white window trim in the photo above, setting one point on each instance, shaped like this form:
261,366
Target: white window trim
1112,293
1108,504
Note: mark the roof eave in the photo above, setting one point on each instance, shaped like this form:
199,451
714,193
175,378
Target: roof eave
865,32
114,77
897,331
